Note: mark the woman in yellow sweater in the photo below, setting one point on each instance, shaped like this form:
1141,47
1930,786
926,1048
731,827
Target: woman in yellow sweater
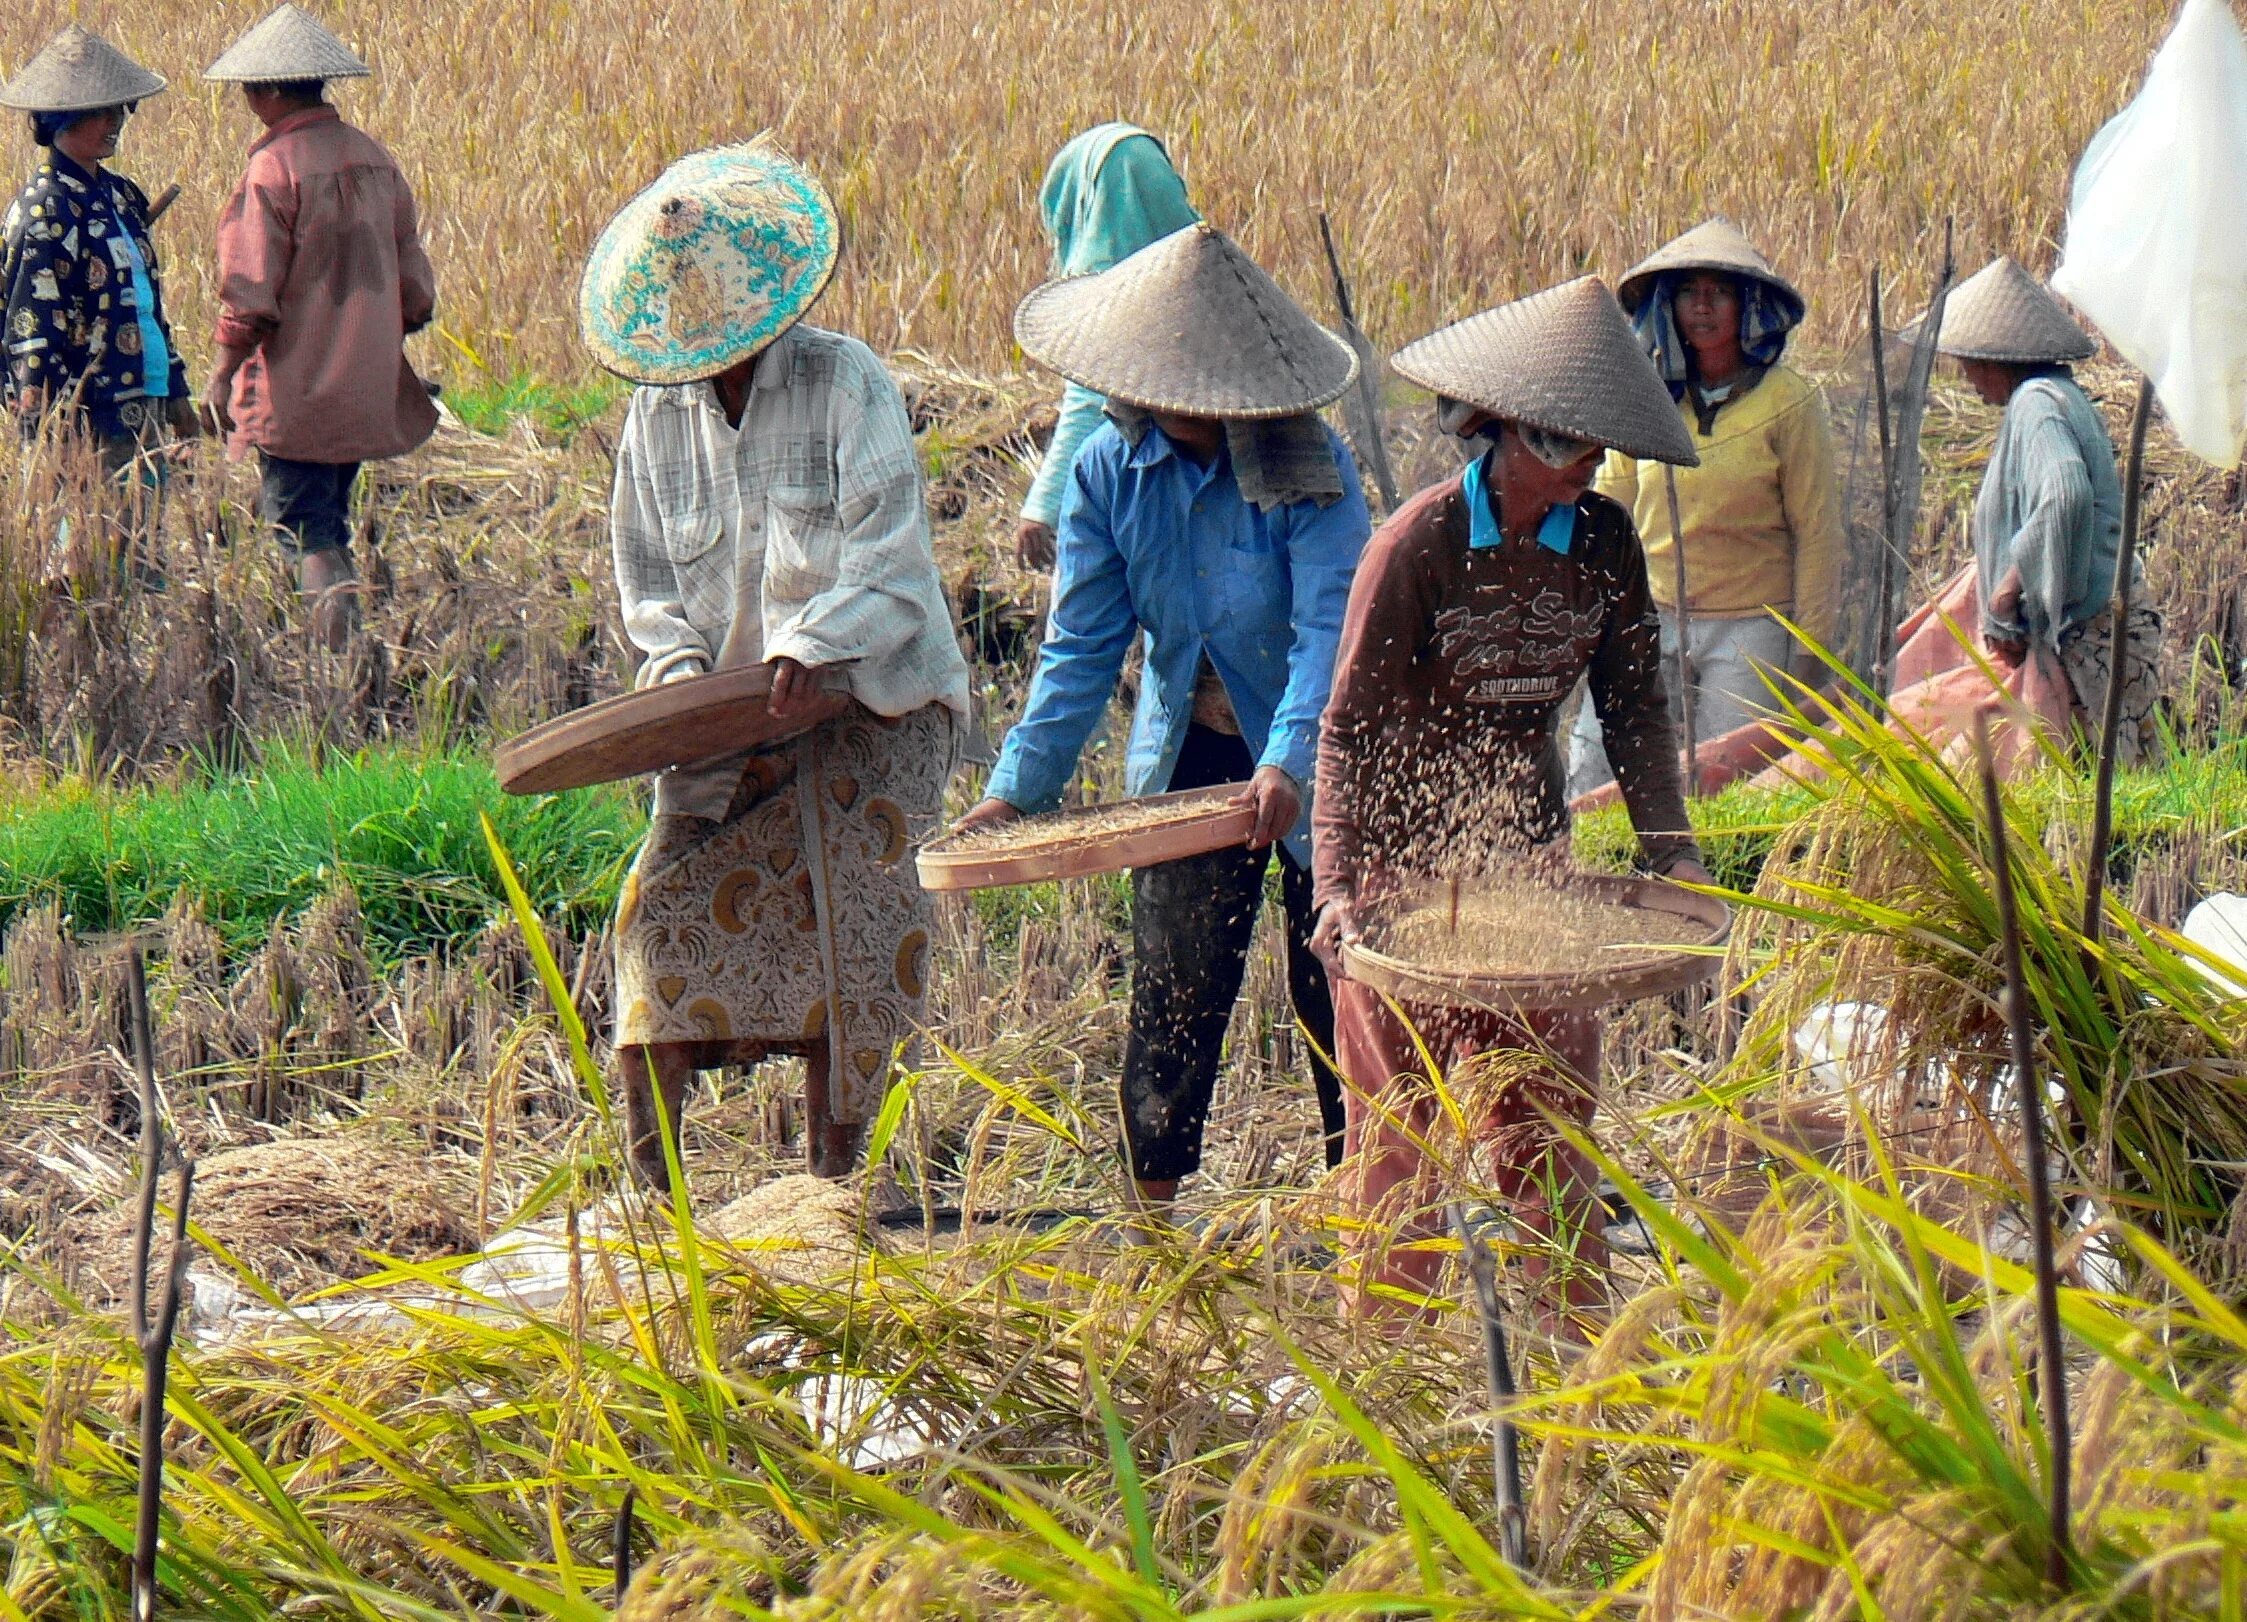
1762,512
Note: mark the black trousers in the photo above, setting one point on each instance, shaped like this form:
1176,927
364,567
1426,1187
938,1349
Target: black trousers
1191,923
308,504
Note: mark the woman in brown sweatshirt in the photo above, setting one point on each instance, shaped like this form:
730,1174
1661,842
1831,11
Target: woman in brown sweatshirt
1475,610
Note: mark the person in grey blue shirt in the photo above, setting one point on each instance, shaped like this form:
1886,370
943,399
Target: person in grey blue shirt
1215,516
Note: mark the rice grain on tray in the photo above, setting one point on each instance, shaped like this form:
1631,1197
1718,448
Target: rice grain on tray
1077,826
1521,927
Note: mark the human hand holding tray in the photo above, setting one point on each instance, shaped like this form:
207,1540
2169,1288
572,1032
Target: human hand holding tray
1522,944
676,723
1091,839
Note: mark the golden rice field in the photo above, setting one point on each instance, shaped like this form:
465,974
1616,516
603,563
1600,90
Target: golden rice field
439,1361
1467,151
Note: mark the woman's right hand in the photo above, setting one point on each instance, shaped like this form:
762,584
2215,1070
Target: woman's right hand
1033,544
987,814
1337,925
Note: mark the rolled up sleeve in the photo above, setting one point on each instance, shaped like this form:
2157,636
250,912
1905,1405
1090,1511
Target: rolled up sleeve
1080,415
876,605
1810,496
655,615
1088,631
417,282
256,245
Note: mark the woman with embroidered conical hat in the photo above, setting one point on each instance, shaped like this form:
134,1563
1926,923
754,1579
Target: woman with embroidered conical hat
1478,607
769,509
2048,520
1762,510
321,277
1216,518
1108,193
84,322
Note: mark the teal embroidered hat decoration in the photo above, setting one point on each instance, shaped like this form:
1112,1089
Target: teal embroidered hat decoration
724,253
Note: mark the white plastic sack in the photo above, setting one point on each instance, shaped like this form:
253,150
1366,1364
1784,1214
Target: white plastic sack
2156,250
2218,926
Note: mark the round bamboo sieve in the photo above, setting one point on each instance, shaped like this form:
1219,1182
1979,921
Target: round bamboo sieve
675,724
1087,840
1626,975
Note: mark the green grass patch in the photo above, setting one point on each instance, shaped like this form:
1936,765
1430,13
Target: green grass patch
559,409
399,826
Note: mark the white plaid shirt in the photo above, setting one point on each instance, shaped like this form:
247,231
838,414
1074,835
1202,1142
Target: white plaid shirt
803,533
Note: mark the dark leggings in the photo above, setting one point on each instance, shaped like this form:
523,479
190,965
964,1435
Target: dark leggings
1192,921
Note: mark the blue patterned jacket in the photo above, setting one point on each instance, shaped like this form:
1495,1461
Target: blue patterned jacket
66,272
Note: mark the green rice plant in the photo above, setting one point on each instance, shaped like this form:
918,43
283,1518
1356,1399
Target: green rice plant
399,826
1880,893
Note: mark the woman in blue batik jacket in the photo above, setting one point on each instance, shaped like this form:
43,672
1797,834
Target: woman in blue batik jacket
87,342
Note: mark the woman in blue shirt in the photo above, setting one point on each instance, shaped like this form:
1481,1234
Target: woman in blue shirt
1216,519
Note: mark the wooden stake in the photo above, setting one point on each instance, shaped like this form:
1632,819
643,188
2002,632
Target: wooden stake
2052,1372
620,1544
1454,903
1361,410
1684,634
1505,1442
151,1139
155,1366
1884,614
2110,721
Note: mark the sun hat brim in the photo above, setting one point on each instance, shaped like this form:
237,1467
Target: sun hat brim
1189,325
1564,360
1717,245
79,72
727,250
288,45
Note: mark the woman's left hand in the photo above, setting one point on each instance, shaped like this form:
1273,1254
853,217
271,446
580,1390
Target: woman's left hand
1690,871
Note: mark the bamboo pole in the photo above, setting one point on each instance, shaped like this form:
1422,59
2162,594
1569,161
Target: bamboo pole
1361,407
1884,613
151,1337
1505,1441
151,1140
155,1362
620,1544
2051,1370
1684,635
2118,663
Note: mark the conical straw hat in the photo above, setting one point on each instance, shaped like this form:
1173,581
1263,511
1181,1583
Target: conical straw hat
1564,360
290,44
1715,244
2001,312
710,264
76,73
1188,324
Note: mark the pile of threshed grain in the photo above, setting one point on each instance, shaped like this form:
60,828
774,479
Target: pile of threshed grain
301,1213
797,1229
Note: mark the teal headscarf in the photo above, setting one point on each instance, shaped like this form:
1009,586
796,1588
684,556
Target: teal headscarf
1107,194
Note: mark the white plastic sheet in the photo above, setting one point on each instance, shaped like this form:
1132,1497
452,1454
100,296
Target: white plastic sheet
2156,251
